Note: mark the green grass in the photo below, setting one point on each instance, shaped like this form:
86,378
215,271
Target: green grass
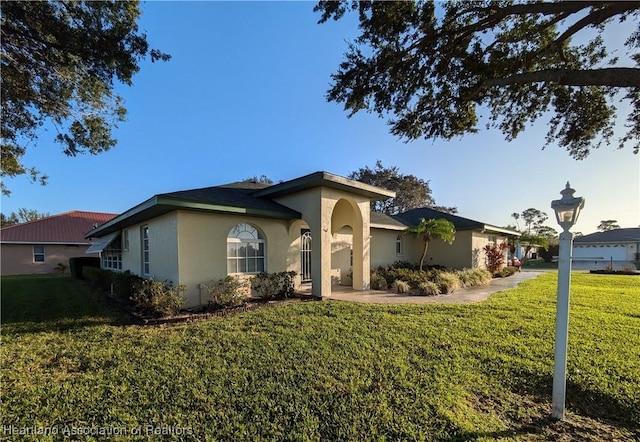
325,370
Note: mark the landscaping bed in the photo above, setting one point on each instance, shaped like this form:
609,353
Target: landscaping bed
615,272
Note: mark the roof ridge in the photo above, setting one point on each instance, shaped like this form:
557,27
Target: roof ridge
57,215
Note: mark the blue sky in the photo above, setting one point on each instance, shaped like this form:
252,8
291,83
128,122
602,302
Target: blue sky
244,95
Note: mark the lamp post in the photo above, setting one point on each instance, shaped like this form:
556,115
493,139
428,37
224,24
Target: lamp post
567,210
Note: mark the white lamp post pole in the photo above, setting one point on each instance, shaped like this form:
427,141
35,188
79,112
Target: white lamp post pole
567,210
562,325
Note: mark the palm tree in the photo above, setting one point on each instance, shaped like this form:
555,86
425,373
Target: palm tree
431,229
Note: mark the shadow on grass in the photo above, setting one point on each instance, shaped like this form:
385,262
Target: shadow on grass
581,402
44,303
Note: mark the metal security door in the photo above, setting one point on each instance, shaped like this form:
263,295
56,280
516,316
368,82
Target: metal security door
305,250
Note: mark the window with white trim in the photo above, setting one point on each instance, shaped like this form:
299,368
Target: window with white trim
245,250
144,236
112,255
38,254
399,245
125,240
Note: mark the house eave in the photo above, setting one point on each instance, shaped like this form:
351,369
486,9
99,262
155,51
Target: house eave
160,205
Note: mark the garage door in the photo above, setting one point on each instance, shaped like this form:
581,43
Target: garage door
606,252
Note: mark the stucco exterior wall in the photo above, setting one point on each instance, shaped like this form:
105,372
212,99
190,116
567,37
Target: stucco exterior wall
17,259
202,248
163,248
383,247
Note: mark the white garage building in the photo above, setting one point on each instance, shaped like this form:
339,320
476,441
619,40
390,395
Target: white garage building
618,248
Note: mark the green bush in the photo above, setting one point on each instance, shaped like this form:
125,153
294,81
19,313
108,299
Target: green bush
125,283
447,282
377,281
274,285
77,264
228,292
158,298
400,286
506,272
474,277
428,288
99,277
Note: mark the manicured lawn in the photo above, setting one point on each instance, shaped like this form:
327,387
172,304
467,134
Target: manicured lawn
323,370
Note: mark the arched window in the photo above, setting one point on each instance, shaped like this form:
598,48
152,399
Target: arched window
399,245
245,250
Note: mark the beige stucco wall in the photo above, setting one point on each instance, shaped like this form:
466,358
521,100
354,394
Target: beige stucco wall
17,259
383,247
202,248
163,248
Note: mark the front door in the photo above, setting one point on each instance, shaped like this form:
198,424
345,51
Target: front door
305,250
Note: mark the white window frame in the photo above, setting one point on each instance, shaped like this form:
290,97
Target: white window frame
243,239
145,249
125,240
112,257
39,253
399,246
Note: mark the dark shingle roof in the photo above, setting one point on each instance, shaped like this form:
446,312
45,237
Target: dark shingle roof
412,218
614,236
385,220
68,228
231,197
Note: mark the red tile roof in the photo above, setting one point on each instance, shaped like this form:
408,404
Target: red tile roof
68,228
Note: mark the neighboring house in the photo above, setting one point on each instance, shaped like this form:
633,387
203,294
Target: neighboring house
618,248
319,225
39,246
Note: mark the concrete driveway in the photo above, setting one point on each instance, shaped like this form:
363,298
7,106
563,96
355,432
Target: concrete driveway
472,294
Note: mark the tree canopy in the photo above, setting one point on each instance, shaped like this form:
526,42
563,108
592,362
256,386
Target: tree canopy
24,215
411,192
59,62
608,224
431,67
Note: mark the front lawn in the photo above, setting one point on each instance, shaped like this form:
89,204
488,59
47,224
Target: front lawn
322,370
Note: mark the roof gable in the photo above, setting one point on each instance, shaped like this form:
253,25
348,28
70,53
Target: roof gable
65,228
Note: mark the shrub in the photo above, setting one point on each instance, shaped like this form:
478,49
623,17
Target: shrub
404,265
78,263
495,256
428,288
158,298
98,277
228,292
377,281
125,283
447,282
474,277
270,285
400,286
506,272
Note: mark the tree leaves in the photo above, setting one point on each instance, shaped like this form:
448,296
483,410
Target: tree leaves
60,60
428,67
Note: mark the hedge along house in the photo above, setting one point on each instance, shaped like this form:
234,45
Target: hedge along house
307,225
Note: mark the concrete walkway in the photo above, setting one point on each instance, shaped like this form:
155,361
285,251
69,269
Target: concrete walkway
472,294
